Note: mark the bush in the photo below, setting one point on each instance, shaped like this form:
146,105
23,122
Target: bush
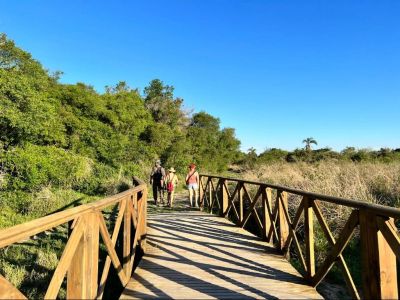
15,274
9,217
31,167
99,180
18,201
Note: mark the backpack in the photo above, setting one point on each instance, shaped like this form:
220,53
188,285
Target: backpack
157,176
170,187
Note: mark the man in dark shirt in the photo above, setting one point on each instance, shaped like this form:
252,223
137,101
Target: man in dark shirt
157,180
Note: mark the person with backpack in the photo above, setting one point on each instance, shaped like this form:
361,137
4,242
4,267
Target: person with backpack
192,182
157,181
171,182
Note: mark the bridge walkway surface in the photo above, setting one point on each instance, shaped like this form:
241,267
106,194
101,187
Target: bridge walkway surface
196,255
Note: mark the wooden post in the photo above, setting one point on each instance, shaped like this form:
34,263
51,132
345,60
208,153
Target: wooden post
223,197
201,192
83,272
266,198
388,268
379,275
127,244
210,194
142,215
240,194
281,197
309,237
144,224
8,291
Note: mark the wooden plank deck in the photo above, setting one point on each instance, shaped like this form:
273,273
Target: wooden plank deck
194,255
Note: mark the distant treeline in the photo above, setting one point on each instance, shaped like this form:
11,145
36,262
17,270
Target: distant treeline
71,136
251,158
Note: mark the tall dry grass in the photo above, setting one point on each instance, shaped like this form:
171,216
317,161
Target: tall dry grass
374,182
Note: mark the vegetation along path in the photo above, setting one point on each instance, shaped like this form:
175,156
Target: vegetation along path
195,255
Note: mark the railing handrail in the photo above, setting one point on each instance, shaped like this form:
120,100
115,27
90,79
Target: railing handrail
359,204
25,230
278,224
79,261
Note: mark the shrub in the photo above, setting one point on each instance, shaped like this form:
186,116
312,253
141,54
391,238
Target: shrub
31,167
15,274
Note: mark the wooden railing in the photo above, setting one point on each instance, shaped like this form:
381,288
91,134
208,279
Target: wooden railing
374,224
79,262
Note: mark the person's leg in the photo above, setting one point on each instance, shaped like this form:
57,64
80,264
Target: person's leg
196,195
168,199
162,193
172,198
190,195
155,193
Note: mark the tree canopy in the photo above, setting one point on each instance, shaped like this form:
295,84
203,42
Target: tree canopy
44,124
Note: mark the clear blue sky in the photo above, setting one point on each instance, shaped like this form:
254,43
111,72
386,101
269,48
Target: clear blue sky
277,71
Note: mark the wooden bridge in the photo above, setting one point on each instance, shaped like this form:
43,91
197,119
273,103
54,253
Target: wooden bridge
209,254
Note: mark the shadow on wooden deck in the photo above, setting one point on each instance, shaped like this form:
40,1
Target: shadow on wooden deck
194,255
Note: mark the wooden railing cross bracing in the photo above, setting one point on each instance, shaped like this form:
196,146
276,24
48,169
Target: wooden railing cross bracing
375,224
80,259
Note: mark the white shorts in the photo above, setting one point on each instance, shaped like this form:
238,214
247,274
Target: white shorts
193,186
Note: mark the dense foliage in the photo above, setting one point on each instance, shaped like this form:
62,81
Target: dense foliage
70,136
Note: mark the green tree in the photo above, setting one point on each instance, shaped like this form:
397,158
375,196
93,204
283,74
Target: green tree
273,154
251,158
159,100
212,148
308,141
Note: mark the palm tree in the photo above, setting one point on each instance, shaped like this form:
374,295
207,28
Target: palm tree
308,142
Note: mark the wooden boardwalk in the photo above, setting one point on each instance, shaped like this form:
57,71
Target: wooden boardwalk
194,255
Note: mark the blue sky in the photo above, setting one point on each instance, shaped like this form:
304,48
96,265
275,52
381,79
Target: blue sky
276,71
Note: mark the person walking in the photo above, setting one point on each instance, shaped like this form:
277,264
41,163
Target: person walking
157,181
171,182
192,182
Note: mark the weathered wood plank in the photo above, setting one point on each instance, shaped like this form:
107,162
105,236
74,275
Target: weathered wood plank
281,199
126,248
329,236
111,251
8,291
309,237
194,255
107,263
223,196
379,261
338,248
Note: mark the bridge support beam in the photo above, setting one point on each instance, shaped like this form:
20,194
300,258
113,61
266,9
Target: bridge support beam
241,208
309,237
379,273
83,272
267,202
281,198
143,225
201,192
223,197
126,248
